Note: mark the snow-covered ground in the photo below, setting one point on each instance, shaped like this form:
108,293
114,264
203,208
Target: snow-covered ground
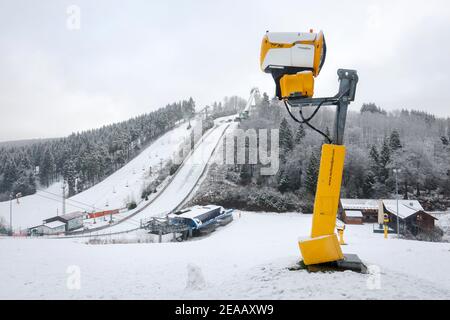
248,259
111,193
444,223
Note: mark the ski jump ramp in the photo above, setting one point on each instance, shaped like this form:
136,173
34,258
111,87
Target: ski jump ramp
176,192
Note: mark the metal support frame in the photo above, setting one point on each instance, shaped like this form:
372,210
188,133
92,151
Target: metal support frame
322,250
348,80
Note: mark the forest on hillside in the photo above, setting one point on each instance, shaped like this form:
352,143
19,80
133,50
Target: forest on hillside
83,158
377,142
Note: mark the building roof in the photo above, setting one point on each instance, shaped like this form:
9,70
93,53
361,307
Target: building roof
194,211
359,204
72,215
406,208
54,224
353,214
65,217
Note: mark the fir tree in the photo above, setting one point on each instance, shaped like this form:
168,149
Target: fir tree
284,182
394,141
70,175
312,172
245,174
286,140
300,134
374,161
46,168
10,174
368,185
385,159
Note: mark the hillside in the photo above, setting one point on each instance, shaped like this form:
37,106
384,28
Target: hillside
84,158
114,192
377,142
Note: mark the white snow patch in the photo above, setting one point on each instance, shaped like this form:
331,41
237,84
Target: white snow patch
248,259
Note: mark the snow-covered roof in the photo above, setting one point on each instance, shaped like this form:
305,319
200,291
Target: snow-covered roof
353,214
72,215
195,211
406,208
54,224
359,204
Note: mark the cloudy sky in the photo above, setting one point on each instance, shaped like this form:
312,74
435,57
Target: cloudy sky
131,57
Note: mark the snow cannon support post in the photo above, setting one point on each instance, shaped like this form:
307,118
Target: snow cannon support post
322,250
323,246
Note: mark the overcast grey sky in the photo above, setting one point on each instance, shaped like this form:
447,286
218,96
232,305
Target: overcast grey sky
131,57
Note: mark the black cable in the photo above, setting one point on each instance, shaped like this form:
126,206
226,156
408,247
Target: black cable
306,121
68,199
57,200
315,111
317,130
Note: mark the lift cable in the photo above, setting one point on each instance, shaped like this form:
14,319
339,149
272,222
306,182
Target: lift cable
56,200
68,199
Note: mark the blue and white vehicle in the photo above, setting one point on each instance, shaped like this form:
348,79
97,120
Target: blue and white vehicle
199,217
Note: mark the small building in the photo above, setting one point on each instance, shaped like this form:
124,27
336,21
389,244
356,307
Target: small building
367,207
51,228
352,217
73,220
411,216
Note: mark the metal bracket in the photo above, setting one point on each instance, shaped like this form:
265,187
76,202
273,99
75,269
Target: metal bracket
348,80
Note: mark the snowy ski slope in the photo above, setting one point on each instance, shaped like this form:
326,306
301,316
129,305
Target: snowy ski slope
182,184
111,193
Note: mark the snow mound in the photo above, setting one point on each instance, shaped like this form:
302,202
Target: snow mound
195,278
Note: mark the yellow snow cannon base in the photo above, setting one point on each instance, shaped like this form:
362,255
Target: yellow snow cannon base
299,84
323,245
320,250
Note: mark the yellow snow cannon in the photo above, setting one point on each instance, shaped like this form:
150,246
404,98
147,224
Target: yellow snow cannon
294,59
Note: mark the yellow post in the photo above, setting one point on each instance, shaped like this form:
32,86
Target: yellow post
323,245
341,235
386,221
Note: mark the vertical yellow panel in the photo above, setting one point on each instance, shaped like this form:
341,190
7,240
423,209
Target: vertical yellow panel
328,190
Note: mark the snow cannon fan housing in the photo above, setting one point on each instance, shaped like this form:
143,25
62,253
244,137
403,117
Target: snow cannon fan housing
294,59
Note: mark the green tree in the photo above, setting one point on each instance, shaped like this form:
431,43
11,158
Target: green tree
284,182
286,139
300,134
70,175
368,185
245,174
394,141
10,174
46,168
374,160
312,172
385,159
